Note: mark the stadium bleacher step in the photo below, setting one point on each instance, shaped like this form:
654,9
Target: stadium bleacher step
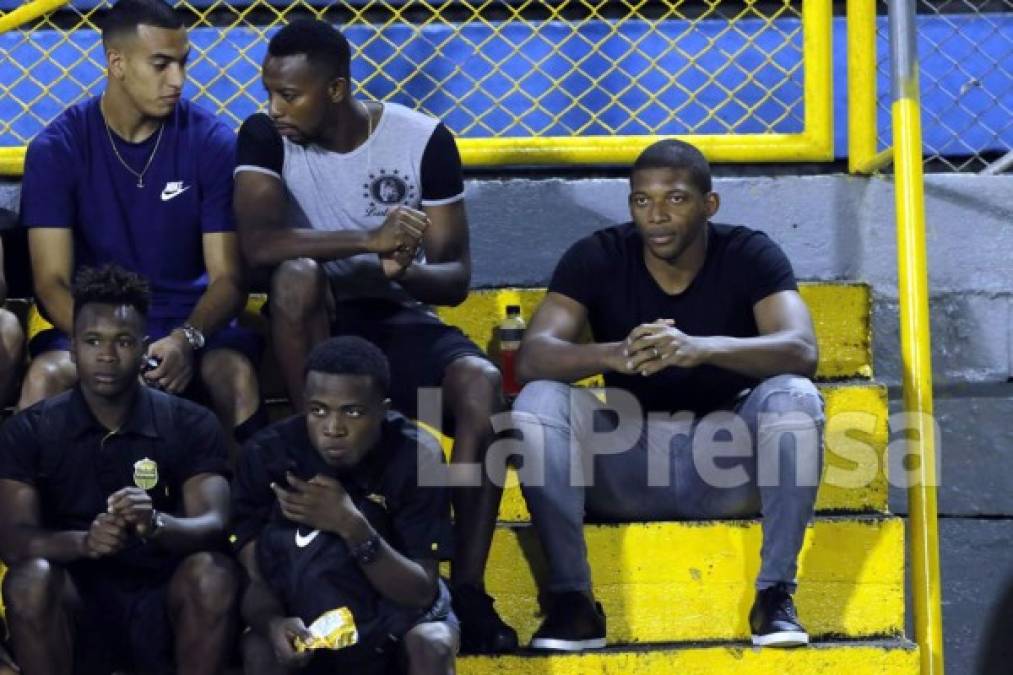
840,314
840,311
878,657
855,472
693,581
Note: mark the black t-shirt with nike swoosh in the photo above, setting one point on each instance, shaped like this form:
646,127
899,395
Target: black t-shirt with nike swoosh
311,571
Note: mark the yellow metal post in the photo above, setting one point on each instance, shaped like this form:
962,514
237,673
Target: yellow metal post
817,41
862,74
914,334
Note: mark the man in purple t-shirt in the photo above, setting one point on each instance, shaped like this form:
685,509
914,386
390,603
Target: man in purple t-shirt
142,178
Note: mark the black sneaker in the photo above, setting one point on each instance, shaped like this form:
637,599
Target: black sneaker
573,623
773,619
482,631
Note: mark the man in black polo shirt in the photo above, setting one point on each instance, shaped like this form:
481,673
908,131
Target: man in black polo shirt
113,497
329,513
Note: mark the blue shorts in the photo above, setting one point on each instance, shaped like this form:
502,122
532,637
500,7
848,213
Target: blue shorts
233,336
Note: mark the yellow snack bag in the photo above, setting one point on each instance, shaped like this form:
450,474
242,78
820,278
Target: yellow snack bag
333,629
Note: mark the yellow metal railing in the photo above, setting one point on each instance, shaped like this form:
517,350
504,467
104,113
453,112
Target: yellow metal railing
916,351
815,143
28,12
863,156
912,281
733,127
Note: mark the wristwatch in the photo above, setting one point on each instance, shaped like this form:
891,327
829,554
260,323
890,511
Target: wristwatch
368,550
157,523
193,336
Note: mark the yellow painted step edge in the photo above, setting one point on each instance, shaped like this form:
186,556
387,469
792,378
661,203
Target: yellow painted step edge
840,311
841,317
686,581
887,658
855,471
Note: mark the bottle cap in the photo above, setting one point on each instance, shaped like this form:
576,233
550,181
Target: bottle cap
511,310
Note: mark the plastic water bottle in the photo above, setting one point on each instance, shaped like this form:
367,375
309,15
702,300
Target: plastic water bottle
511,332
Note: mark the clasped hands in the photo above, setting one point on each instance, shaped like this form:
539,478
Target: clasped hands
652,347
128,512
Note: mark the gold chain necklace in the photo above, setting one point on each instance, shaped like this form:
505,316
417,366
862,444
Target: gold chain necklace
109,133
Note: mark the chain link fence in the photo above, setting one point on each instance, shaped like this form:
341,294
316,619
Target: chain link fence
966,63
506,69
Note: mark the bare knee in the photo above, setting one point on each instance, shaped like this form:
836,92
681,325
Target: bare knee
48,375
12,337
206,584
298,289
474,389
431,649
230,379
12,341
33,591
258,655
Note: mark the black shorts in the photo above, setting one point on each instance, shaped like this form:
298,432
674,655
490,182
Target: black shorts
388,659
418,345
124,622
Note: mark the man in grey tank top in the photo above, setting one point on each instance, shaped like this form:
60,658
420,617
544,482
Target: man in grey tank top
356,210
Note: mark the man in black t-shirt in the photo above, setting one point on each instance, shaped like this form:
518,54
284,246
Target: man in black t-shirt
689,317
114,501
330,513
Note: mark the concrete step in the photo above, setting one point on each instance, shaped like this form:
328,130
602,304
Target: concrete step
878,657
840,311
693,581
855,471
840,315
855,468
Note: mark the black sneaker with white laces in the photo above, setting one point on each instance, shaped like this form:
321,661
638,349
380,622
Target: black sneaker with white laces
574,623
774,621
482,631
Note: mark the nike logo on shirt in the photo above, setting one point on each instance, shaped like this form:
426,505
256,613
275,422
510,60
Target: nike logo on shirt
173,189
302,541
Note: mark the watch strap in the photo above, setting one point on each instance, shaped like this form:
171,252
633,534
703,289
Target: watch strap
193,336
368,550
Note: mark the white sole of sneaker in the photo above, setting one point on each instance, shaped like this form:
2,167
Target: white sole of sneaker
782,639
567,645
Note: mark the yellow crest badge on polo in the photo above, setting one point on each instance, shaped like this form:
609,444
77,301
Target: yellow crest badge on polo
145,473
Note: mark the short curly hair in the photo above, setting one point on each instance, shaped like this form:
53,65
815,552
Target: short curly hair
111,285
323,45
671,153
350,355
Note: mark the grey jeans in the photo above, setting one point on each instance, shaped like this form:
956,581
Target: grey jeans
763,457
